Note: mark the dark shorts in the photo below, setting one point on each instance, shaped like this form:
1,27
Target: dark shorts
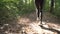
39,2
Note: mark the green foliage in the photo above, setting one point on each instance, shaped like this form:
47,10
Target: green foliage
57,8
10,9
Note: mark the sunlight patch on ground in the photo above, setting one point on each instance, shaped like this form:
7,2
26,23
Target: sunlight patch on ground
35,28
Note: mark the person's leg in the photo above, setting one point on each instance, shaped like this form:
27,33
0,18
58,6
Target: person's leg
37,10
41,10
41,14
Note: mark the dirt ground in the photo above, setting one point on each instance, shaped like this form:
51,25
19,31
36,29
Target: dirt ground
27,24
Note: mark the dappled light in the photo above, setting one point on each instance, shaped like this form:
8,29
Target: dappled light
19,17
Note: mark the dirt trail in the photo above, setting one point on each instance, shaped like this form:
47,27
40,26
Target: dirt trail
47,17
50,20
27,24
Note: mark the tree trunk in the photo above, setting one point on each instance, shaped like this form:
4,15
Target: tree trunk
52,6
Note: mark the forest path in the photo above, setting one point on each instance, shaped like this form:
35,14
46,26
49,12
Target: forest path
27,24
52,22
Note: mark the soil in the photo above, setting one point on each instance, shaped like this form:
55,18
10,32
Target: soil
27,24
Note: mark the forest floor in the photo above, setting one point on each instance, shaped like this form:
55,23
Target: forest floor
27,24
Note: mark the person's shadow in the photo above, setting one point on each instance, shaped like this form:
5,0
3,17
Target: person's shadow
50,29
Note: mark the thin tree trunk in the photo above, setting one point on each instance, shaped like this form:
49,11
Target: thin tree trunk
52,6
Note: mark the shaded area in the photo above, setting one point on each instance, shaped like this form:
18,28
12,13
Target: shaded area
51,29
